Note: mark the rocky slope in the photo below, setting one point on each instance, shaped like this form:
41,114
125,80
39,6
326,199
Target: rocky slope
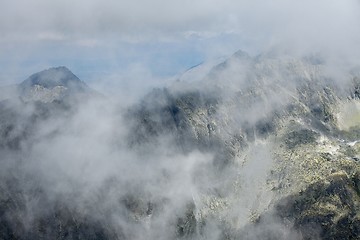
288,105
261,148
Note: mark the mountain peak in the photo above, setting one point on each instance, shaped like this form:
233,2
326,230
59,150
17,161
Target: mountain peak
53,77
52,84
240,54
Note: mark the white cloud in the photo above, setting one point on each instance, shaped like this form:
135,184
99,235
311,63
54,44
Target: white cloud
159,18
328,26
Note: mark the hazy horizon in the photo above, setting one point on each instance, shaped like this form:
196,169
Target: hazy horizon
138,41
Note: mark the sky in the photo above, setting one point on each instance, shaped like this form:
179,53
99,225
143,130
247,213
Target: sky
151,41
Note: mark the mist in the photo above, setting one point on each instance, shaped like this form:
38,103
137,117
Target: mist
160,149
184,161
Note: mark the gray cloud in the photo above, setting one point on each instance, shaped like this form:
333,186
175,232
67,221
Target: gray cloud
320,21
38,34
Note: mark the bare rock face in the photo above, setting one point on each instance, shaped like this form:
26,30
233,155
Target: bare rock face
326,209
315,168
46,95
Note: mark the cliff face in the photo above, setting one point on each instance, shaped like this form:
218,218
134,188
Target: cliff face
260,148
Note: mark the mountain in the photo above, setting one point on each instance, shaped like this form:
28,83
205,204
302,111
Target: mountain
44,95
262,147
285,116
52,84
53,77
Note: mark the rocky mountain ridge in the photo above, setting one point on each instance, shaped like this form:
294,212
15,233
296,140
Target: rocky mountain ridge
282,134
